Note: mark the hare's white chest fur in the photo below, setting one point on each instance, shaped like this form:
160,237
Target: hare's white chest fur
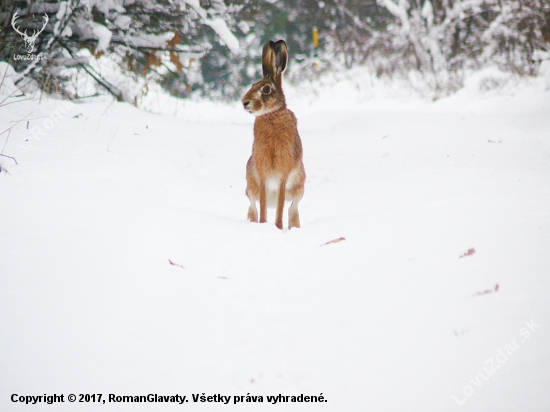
273,181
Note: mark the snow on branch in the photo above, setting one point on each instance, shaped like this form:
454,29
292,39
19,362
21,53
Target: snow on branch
217,24
399,10
457,12
221,29
103,36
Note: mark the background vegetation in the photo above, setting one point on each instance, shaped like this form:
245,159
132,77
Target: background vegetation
212,47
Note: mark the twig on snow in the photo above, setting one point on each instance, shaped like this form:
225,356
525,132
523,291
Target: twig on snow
470,252
7,138
111,139
334,241
175,264
487,291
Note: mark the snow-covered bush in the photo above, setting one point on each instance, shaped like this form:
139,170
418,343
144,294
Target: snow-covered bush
441,38
518,39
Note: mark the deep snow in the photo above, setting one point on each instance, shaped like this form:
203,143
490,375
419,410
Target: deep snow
388,320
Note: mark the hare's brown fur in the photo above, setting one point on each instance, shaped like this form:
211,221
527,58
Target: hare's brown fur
274,172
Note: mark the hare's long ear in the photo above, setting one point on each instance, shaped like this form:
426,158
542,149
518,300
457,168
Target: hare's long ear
268,60
281,57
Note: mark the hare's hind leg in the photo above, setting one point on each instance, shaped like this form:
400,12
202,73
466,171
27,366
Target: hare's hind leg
252,192
293,215
295,192
252,211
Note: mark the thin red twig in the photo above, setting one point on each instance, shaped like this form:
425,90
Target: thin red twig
487,291
470,252
175,264
334,241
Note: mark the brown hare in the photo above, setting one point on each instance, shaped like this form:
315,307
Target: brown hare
274,172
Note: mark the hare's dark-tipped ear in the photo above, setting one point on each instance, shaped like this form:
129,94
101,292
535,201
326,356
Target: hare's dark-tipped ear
268,59
281,57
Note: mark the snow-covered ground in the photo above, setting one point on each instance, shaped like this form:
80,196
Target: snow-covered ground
105,196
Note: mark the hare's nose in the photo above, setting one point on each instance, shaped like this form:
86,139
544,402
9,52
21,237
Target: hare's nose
246,103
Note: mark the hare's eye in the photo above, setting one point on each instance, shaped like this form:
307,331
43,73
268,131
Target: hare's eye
266,89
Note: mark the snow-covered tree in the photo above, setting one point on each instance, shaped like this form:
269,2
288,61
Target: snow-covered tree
158,39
